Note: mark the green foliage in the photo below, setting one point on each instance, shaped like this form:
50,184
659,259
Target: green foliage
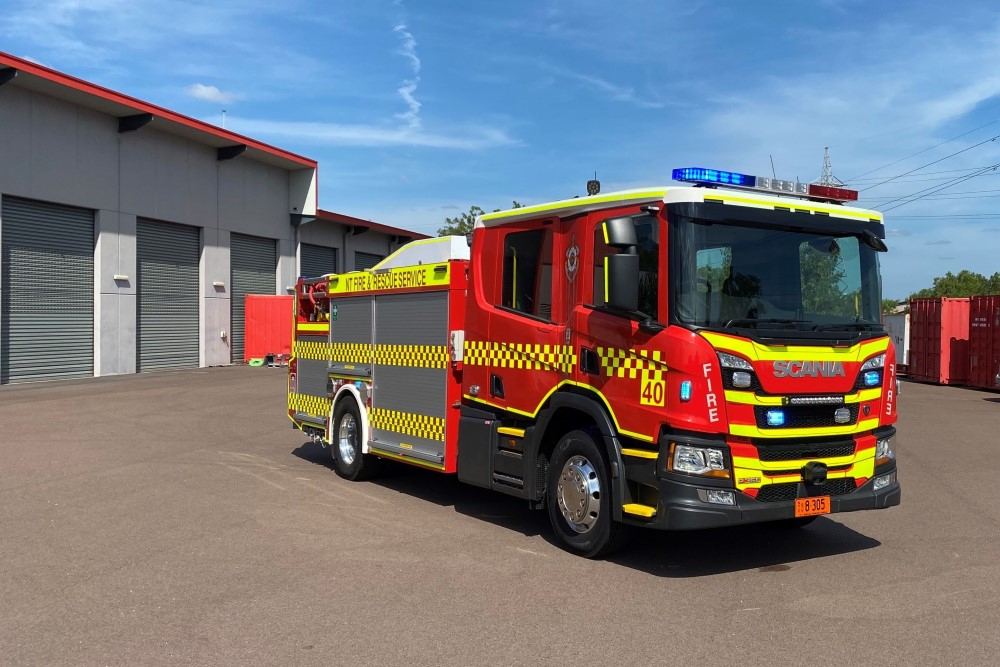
463,224
822,284
965,283
889,306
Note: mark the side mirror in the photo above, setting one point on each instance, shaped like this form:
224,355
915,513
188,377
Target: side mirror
620,233
621,281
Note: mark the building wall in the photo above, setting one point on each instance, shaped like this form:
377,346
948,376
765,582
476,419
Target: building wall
55,151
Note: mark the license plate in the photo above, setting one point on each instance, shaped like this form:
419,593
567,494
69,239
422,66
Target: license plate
812,506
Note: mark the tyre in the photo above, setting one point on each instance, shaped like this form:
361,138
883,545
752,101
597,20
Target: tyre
345,448
579,499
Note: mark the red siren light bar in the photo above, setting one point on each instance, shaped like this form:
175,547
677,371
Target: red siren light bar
716,177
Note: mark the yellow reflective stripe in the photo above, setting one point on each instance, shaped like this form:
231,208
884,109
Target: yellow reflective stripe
604,230
639,453
507,430
575,204
756,352
750,398
639,510
751,431
799,205
864,396
538,408
607,295
747,463
313,326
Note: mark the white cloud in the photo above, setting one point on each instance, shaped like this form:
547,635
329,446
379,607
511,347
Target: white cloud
338,134
616,92
210,94
409,51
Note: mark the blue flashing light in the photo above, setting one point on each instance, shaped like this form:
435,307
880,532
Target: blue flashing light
701,175
686,390
775,417
872,378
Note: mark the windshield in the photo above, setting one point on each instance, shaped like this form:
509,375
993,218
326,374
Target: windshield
726,275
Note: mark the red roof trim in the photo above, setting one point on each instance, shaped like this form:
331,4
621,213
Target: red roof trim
377,226
104,93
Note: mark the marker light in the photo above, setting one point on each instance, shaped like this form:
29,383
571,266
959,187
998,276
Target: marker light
775,418
742,380
829,192
872,378
686,390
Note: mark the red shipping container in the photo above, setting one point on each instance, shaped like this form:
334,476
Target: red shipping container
984,341
939,340
268,327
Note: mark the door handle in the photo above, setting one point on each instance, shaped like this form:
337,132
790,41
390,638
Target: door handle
589,361
496,386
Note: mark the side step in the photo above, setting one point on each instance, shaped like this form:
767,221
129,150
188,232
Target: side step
639,510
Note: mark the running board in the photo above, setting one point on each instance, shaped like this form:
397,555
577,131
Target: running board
639,510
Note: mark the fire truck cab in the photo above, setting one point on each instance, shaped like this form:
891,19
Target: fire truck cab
678,358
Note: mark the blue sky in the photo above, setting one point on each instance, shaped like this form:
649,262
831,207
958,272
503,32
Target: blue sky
417,110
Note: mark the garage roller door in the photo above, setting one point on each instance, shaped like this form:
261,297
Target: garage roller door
366,260
317,260
47,285
167,311
253,263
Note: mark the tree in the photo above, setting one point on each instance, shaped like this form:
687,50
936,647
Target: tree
823,283
965,283
889,306
463,224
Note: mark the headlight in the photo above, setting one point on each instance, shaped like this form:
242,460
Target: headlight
706,461
732,361
883,451
878,361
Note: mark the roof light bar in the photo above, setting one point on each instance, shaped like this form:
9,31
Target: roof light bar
702,176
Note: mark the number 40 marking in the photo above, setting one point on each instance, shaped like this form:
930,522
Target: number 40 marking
653,392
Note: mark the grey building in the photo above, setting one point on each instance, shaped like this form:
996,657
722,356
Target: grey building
130,234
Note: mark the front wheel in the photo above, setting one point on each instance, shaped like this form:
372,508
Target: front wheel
345,449
579,498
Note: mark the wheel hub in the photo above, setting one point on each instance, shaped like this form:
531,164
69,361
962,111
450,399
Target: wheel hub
347,436
578,494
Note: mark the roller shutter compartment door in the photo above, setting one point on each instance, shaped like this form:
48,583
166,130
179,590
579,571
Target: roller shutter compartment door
46,291
167,311
253,261
315,260
366,260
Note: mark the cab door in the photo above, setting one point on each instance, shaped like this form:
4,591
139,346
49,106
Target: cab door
618,361
529,355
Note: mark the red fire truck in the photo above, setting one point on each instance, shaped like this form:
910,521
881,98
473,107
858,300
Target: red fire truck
682,357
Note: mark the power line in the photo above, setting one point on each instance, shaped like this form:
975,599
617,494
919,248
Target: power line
935,188
934,162
923,151
926,173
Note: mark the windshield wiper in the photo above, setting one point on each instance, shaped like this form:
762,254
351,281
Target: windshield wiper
860,325
755,322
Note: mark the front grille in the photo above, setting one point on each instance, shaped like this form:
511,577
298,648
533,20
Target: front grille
805,416
776,493
800,450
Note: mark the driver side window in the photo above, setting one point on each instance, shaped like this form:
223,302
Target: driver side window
647,232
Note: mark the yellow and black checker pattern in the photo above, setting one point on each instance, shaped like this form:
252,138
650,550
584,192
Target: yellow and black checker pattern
408,423
316,406
416,356
527,356
633,363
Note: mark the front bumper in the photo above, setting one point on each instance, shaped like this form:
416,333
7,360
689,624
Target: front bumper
680,507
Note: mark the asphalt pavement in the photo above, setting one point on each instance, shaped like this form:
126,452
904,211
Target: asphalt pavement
176,518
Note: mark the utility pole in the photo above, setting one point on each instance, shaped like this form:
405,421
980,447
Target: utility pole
827,177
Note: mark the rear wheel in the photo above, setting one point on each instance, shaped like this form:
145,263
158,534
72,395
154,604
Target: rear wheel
345,449
579,498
